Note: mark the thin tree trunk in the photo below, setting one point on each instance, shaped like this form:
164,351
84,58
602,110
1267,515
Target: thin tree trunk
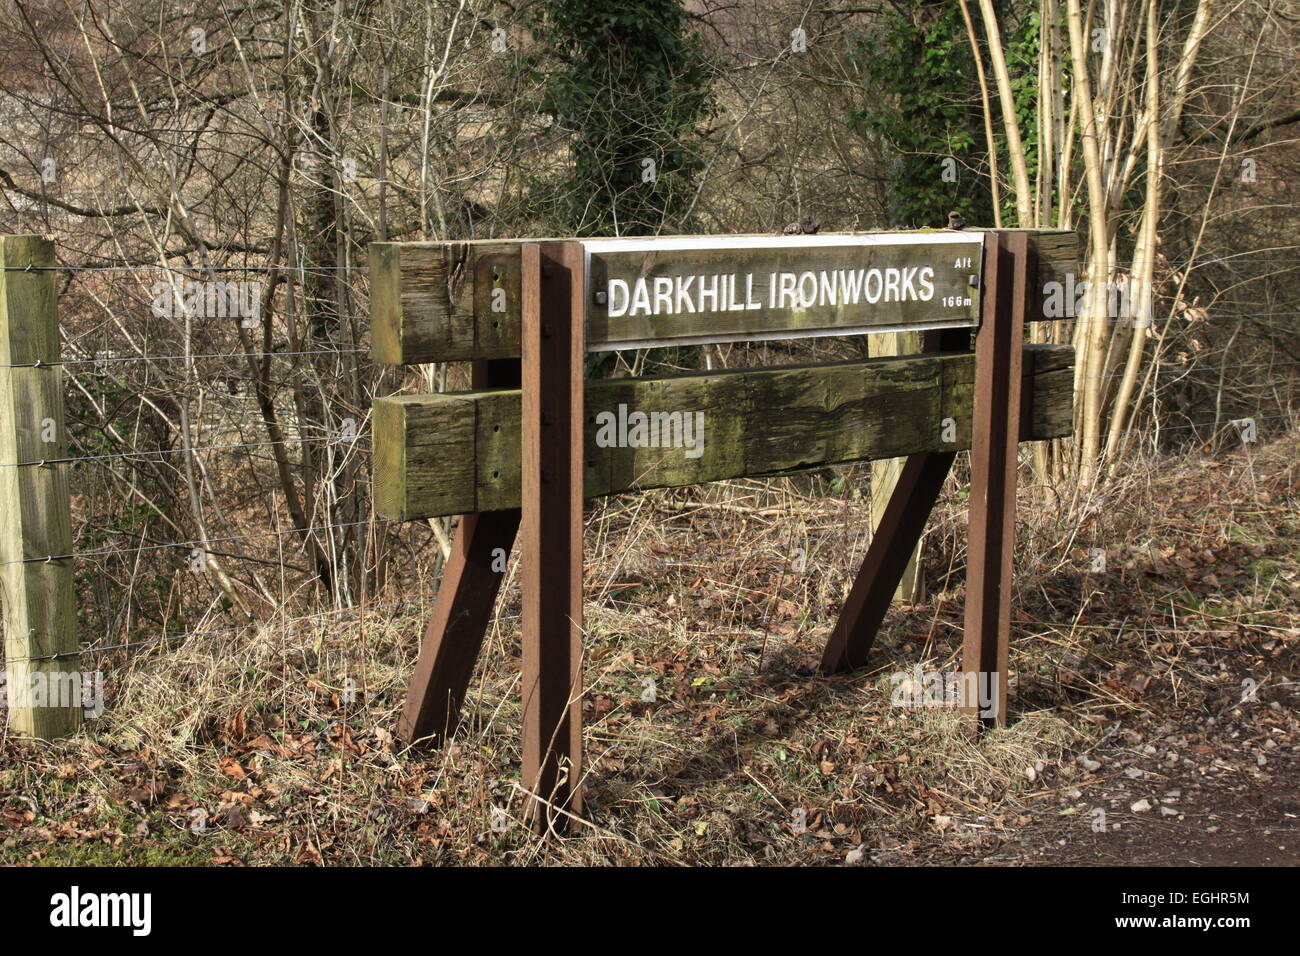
995,185
1092,338
1015,149
1142,277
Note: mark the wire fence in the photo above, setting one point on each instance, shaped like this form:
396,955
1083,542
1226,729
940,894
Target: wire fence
218,454
162,449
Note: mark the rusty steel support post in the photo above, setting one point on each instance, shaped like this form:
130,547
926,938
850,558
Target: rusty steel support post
995,427
551,530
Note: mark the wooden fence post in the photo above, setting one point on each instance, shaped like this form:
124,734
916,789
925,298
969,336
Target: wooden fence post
550,537
35,521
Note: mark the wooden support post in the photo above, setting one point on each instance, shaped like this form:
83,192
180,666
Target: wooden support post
884,473
40,617
891,546
999,346
471,579
551,537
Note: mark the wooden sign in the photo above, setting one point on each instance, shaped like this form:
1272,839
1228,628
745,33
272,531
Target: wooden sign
648,292
456,301
517,454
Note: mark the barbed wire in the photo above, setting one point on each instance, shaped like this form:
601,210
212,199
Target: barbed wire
165,358
327,270
149,267
1202,262
350,441
197,543
185,635
1133,320
1188,369
1223,422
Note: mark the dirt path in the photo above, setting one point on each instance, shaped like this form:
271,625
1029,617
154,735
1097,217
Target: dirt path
1178,805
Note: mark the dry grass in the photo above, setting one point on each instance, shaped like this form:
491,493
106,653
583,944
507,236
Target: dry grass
746,755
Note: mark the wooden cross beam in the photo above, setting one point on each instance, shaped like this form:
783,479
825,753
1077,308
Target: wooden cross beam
460,452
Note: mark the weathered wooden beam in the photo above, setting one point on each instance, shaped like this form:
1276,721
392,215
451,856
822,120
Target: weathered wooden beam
460,452
453,301
885,472
46,696
893,541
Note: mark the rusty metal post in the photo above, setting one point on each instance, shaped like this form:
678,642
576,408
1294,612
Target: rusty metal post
551,531
995,428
